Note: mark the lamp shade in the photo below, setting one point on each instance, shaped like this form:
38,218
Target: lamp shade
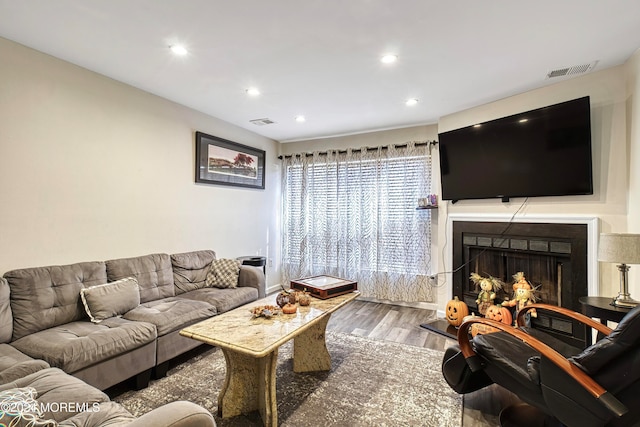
619,248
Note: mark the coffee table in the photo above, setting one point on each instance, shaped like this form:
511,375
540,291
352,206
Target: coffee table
250,347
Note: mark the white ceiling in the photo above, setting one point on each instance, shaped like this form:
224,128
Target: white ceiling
320,58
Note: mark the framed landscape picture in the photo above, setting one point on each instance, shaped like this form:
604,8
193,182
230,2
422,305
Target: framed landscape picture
223,162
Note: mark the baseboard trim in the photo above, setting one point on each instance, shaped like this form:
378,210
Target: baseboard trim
415,304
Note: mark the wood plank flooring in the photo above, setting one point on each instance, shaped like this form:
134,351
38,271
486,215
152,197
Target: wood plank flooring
401,324
388,322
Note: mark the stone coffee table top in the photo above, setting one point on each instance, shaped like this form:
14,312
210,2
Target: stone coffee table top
239,331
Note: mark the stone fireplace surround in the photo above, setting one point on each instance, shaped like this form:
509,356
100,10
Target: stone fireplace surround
572,248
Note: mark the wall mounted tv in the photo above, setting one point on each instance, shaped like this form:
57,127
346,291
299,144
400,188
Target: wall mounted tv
542,152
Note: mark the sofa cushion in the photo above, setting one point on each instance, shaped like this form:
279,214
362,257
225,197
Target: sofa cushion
190,269
252,277
153,272
10,356
22,369
19,407
15,364
223,273
170,314
76,345
111,299
105,414
6,319
55,388
44,297
223,299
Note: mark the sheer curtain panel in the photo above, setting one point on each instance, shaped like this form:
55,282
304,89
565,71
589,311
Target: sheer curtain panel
352,214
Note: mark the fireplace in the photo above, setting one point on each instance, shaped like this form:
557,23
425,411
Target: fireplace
553,257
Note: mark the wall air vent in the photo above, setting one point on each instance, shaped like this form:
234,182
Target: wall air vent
261,122
570,71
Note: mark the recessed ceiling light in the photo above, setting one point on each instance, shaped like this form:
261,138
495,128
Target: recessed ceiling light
178,49
477,125
300,119
389,58
411,102
253,91
523,120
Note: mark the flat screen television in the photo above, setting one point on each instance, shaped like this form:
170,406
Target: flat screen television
542,152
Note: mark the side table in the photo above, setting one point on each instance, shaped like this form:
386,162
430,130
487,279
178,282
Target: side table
256,261
601,308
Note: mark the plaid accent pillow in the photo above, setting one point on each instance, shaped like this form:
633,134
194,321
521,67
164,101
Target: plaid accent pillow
223,273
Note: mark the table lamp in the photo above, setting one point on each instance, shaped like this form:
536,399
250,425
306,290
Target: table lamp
622,249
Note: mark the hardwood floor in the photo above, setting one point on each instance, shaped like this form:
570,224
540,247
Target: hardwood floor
388,322
401,324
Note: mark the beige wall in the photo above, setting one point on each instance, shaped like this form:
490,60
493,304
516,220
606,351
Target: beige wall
633,141
93,169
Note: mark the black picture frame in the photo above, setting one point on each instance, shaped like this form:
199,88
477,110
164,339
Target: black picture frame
223,162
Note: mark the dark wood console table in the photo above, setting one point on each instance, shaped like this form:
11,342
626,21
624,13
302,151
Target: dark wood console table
601,308
255,261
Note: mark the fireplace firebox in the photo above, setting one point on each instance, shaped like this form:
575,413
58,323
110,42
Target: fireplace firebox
552,256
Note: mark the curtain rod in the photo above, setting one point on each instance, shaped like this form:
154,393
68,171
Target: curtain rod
357,150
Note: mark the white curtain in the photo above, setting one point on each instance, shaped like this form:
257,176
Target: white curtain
353,215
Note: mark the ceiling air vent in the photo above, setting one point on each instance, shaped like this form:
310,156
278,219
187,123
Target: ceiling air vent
570,71
261,122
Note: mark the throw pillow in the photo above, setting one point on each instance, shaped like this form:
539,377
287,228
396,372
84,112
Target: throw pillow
223,273
111,299
19,407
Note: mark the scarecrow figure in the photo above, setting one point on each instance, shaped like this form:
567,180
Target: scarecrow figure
522,296
488,287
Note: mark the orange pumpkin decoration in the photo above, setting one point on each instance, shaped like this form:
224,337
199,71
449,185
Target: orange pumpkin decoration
455,311
499,314
289,308
304,299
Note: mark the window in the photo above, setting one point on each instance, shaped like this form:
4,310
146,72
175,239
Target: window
354,215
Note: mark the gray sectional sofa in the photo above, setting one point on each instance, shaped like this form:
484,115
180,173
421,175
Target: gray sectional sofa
66,401
95,324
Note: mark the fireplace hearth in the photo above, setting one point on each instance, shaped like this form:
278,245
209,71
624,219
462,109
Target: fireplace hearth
553,257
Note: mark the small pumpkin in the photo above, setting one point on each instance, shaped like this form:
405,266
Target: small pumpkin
304,299
499,313
455,311
282,298
289,308
469,317
285,297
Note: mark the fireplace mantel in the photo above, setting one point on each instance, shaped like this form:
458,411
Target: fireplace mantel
592,224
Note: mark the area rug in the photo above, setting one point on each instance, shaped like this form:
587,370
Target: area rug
371,383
